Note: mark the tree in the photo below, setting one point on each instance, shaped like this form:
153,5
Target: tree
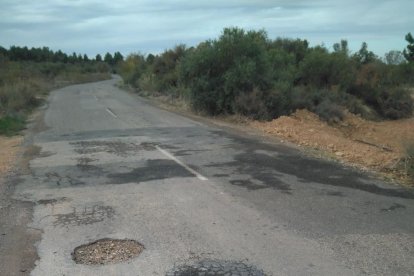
341,47
394,57
365,56
118,57
85,57
73,58
409,51
108,58
98,57
150,59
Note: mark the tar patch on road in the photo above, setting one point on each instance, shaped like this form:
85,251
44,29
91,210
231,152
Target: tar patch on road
51,201
269,169
154,170
218,268
113,147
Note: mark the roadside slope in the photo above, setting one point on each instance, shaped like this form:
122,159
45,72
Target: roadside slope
378,146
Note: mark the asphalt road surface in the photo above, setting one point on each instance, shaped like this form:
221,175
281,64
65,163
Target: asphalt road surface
199,198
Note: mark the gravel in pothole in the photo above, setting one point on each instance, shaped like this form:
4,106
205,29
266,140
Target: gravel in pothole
107,251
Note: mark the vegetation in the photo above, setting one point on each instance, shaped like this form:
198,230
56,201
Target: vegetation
247,73
11,125
409,51
26,75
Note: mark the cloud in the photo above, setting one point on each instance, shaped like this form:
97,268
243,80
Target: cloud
93,26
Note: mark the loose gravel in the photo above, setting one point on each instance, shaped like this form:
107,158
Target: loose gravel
107,251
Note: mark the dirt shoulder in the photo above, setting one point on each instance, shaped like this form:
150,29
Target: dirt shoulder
17,251
374,146
9,149
17,239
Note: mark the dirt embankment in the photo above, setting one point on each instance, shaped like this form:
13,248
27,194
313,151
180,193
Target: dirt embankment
377,146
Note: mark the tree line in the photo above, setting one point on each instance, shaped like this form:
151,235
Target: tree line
246,72
44,54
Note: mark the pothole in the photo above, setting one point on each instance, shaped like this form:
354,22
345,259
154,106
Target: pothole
216,267
107,251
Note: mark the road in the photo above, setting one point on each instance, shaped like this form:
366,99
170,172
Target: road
111,165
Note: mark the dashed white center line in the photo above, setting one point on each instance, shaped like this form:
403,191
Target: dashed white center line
172,157
112,114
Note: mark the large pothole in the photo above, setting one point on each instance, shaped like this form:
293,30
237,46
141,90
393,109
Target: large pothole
107,251
216,267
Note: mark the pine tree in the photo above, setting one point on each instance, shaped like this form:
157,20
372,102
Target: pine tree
409,51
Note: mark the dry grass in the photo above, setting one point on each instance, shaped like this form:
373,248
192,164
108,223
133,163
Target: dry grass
9,149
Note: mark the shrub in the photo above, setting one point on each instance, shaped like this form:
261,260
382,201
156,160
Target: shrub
147,82
329,111
390,103
325,70
218,72
278,101
358,107
395,104
132,69
251,104
328,105
166,68
11,124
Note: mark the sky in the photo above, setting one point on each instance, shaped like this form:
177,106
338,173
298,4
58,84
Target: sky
151,26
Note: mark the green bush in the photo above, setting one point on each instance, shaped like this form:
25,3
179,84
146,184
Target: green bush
322,69
12,124
221,71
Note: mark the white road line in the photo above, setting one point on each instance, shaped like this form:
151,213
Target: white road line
110,112
172,157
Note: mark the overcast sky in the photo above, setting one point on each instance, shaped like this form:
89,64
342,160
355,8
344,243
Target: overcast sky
150,26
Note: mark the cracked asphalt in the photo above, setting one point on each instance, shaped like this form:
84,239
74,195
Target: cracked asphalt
200,198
